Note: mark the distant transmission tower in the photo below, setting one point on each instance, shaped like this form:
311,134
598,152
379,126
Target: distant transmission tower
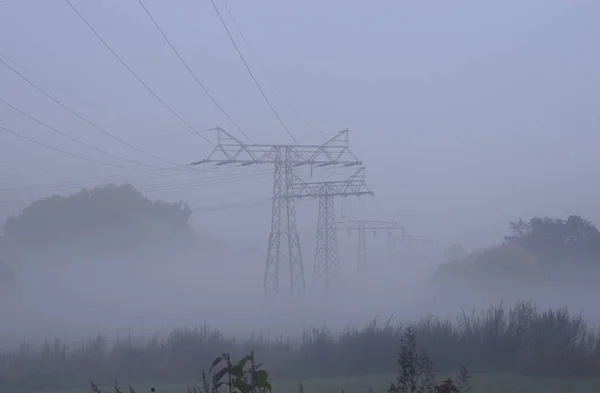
326,270
410,241
283,240
362,227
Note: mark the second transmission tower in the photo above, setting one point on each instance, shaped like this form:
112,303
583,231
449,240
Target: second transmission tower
327,270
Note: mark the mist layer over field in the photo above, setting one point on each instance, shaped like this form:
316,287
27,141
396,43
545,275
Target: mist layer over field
159,292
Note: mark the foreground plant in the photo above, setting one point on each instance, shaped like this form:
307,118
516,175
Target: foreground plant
245,376
415,373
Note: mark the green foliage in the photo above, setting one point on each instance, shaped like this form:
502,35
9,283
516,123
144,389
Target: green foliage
99,220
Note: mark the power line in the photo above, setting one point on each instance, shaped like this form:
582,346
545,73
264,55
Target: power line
218,180
52,187
168,186
225,206
71,95
134,74
192,72
75,139
77,114
155,188
253,53
161,187
250,72
85,183
49,170
62,151
89,182
233,205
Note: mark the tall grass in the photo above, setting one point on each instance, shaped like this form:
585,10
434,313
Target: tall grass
522,339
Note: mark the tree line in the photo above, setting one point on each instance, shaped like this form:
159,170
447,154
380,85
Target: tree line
101,221
541,251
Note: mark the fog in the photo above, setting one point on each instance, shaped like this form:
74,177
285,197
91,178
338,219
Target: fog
222,287
466,115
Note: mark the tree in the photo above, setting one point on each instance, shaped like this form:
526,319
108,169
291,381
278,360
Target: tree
541,251
415,371
103,220
556,242
488,271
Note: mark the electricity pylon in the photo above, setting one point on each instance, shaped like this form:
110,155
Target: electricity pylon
326,270
362,227
283,239
409,241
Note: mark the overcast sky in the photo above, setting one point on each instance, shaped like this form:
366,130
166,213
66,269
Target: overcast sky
467,114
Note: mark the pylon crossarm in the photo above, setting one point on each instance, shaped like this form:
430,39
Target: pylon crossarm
334,150
354,185
369,225
231,150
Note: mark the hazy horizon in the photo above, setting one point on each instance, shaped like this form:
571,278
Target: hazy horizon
466,116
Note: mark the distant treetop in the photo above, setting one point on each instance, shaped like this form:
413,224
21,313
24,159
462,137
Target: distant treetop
558,242
103,219
542,251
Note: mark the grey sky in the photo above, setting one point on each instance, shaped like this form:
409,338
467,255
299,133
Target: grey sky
467,114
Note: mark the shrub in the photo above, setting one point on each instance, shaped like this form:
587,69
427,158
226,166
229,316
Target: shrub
245,376
522,339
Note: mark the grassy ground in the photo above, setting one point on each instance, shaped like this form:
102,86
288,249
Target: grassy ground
481,383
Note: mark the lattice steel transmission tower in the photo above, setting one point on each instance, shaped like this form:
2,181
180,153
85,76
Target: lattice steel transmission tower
362,227
284,242
326,270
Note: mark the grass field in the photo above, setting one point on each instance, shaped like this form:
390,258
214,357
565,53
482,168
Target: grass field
481,383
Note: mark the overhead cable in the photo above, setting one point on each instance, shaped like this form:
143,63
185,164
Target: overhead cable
192,129
251,73
77,114
264,70
192,72
63,151
75,139
168,186
75,97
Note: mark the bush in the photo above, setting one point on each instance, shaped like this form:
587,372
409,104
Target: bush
415,375
522,339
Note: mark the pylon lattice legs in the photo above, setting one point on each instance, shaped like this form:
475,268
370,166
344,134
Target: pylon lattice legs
284,242
326,271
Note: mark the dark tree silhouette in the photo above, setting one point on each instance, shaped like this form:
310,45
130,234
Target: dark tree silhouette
558,243
101,220
540,254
